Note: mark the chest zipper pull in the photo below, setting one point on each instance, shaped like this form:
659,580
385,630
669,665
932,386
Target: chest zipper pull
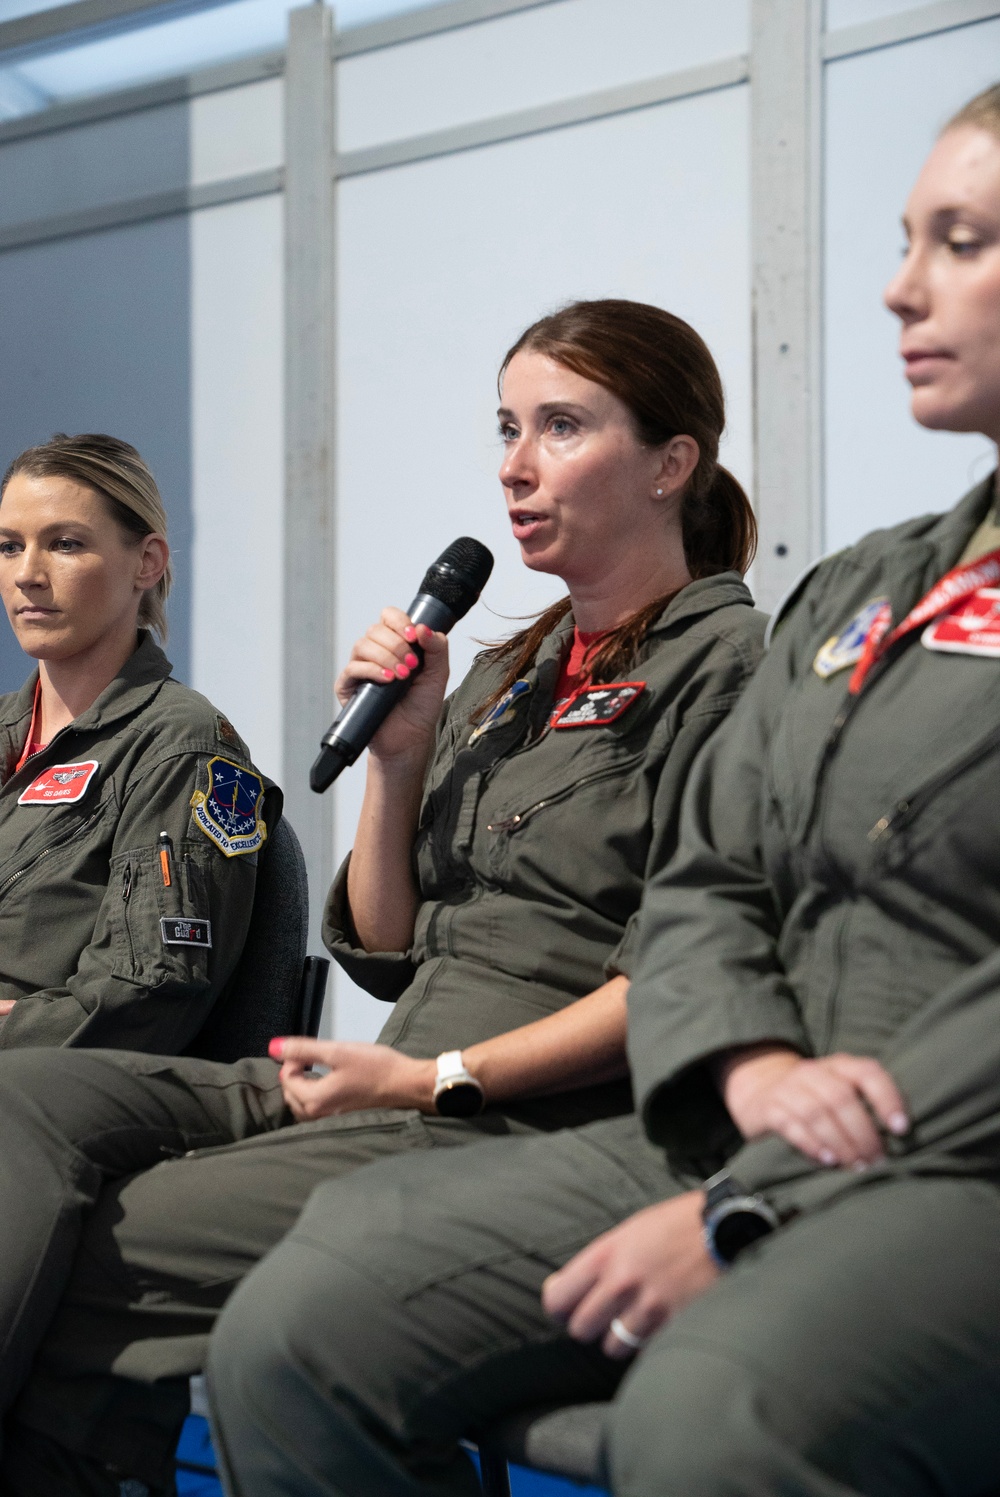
127,882
504,826
885,822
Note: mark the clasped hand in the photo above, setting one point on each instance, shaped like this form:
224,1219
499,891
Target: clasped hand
358,1076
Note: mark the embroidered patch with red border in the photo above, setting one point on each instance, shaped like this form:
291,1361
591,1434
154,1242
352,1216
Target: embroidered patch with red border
972,627
60,785
595,706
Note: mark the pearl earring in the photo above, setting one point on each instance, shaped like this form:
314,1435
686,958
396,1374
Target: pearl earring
659,493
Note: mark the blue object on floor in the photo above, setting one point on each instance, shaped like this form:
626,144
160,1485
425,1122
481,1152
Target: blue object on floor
196,1460
195,1476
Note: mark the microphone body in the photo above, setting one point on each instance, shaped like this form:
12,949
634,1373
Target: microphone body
447,592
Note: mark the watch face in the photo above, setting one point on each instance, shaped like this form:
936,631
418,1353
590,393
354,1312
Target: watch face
736,1230
461,1099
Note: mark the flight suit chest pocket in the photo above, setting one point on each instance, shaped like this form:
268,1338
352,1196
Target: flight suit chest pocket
159,931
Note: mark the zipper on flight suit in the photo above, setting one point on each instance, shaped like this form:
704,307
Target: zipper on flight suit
20,872
515,822
904,809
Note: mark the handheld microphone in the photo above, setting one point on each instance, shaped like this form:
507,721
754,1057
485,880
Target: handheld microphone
448,591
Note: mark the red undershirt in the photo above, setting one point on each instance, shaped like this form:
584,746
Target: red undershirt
33,744
575,672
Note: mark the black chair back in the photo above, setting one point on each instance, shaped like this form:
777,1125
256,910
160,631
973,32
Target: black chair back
273,981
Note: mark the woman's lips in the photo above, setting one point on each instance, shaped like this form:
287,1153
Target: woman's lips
524,524
924,361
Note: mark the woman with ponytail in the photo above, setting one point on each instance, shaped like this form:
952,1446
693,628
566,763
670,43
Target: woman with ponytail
491,896
121,913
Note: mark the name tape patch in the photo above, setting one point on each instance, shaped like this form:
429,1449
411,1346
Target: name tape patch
595,706
228,812
177,932
972,627
59,786
846,648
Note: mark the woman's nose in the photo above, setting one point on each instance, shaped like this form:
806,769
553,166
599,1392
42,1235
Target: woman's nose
516,466
905,295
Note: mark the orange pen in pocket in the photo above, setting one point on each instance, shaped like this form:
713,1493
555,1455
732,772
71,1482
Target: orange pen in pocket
166,855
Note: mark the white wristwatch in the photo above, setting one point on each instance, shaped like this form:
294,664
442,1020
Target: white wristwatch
457,1093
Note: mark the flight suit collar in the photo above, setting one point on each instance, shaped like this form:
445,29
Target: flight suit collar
917,562
138,681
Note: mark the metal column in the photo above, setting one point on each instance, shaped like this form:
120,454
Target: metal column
309,434
786,83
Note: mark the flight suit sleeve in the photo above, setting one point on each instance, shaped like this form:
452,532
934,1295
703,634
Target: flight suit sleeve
384,974
699,723
946,1062
707,972
148,977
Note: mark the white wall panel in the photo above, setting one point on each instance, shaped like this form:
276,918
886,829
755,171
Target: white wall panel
884,110
237,131
526,59
442,264
238,466
857,12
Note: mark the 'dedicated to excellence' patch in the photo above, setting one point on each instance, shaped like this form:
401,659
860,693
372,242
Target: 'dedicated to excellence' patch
972,627
228,812
595,706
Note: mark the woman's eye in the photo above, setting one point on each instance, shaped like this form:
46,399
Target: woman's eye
560,426
962,245
8,548
507,432
66,543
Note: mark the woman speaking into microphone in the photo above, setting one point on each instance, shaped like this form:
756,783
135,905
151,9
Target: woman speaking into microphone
491,896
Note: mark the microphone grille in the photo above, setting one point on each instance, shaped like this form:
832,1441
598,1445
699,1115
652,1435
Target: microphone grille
459,575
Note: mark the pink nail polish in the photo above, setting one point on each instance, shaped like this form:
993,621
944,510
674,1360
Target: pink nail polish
402,671
388,674
411,660
410,633
276,1049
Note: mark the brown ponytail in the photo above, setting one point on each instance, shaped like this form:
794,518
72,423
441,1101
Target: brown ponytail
663,371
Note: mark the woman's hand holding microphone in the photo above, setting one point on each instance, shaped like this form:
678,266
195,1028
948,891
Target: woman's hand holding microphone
389,652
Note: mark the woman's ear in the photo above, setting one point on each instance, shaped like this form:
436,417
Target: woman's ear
154,553
678,460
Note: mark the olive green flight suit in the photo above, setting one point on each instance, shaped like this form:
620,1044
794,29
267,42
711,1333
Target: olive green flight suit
533,848
82,948
836,887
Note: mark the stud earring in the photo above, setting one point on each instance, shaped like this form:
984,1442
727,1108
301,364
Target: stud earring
659,493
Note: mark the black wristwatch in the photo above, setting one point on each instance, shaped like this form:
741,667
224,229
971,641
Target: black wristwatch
457,1093
733,1219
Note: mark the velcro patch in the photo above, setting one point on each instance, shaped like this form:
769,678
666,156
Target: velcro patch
847,647
972,627
176,931
595,706
228,812
61,785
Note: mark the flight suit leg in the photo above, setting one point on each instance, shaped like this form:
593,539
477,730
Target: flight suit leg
160,1254
403,1311
856,1351
73,1119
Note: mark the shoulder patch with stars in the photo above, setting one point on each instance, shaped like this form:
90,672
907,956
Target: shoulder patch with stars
595,706
228,812
845,648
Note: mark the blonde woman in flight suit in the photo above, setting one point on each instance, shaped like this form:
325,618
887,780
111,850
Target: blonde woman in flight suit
814,1026
491,895
123,906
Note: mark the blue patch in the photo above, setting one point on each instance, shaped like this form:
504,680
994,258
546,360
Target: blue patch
502,712
228,812
845,648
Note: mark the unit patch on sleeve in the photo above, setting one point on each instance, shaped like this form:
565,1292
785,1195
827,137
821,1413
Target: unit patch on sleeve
502,713
595,706
845,648
972,627
175,931
228,812
59,786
